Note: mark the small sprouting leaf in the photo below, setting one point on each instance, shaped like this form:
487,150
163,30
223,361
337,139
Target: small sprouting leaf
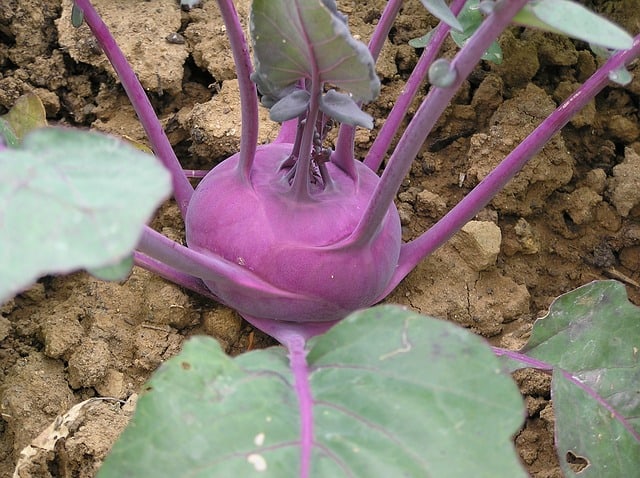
189,3
27,114
442,74
71,200
7,135
394,394
493,54
291,106
114,272
471,18
292,39
593,335
342,108
77,16
574,20
422,41
440,10
621,76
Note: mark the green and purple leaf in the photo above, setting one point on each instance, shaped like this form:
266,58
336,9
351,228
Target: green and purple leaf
290,106
342,108
393,394
591,338
299,39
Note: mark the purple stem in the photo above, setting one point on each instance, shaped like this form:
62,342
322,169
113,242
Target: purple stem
279,328
295,344
182,189
207,267
184,280
413,252
391,125
248,95
383,27
522,358
300,186
343,156
426,116
540,365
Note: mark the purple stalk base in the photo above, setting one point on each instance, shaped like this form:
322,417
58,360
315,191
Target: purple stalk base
295,344
530,362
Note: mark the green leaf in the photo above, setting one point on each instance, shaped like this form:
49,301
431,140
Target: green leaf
574,20
422,41
470,19
594,334
342,108
114,272
294,38
72,200
26,115
621,76
8,135
440,10
290,106
587,430
395,394
77,16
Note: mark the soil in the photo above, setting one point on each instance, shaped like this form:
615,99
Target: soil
572,216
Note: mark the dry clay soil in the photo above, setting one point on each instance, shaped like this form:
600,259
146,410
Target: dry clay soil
571,217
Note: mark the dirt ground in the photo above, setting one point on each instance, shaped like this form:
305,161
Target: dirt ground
572,216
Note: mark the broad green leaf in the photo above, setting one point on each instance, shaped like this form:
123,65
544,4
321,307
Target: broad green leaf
72,200
395,394
593,333
26,114
587,430
294,38
574,20
440,10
